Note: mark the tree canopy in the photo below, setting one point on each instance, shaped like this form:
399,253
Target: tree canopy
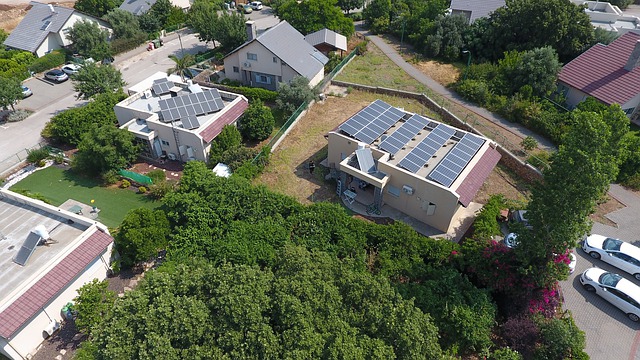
10,92
227,29
313,15
292,95
257,122
142,233
228,138
93,79
105,148
97,8
89,39
125,25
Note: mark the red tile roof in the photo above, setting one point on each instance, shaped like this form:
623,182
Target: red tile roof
39,294
472,183
599,71
229,117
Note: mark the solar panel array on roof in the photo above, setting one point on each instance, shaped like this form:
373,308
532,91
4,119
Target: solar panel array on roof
402,135
180,107
27,249
190,122
456,160
368,124
162,86
421,154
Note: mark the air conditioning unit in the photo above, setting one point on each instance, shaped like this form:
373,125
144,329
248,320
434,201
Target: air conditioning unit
52,327
172,156
407,189
247,64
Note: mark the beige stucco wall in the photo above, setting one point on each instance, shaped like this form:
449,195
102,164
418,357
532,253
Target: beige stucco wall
49,44
31,335
424,192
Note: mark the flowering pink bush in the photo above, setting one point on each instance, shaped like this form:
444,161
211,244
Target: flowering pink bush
545,301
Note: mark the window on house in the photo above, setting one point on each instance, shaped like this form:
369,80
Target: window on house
236,69
263,79
628,111
279,78
164,142
275,59
251,56
392,190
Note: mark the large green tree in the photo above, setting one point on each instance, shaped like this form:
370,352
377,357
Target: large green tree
257,122
142,233
89,39
105,148
97,8
313,15
348,5
447,40
125,25
377,15
537,68
161,10
230,30
309,305
92,304
292,95
10,92
94,79
203,14
521,25
228,138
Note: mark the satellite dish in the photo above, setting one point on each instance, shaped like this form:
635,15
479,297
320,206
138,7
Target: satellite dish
41,231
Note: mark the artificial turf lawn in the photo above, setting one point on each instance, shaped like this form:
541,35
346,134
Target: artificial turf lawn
58,185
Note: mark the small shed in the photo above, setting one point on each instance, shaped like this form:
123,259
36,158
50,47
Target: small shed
326,40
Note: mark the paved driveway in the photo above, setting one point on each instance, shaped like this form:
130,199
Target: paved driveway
610,334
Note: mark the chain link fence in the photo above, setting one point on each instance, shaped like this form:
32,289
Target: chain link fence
11,162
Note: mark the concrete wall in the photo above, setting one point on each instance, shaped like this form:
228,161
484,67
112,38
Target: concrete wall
508,159
32,334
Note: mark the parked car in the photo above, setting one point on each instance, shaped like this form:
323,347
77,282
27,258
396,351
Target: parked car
26,92
520,216
256,5
617,290
245,8
56,75
71,69
618,253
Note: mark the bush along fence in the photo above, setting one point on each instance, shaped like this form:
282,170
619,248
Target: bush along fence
507,149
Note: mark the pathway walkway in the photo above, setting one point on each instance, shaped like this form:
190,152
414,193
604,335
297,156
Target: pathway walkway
450,95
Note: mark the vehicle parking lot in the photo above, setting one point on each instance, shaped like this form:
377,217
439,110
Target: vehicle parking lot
610,334
45,92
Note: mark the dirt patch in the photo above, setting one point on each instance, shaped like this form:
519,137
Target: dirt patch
13,11
608,206
443,73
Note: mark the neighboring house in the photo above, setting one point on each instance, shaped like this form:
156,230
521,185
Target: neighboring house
139,7
609,73
46,255
276,56
177,121
609,17
326,40
45,28
475,9
384,156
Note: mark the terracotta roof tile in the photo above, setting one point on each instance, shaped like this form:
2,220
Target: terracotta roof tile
36,297
472,183
229,117
599,71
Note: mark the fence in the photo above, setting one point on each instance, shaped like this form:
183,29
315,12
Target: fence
13,161
336,69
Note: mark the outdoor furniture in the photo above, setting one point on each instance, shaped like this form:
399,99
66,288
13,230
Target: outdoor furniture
349,196
76,209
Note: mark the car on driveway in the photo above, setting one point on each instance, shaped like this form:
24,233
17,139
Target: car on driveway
618,253
256,5
26,92
245,8
617,290
71,69
56,75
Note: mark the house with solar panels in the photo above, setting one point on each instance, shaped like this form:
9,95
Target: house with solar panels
385,156
276,56
45,28
177,121
46,255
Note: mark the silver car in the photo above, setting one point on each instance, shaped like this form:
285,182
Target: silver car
56,75
617,290
618,253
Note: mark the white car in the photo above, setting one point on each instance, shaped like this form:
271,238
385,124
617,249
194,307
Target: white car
71,69
617,290
618,253
256,5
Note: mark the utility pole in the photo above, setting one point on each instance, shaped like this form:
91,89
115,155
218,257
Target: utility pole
466,71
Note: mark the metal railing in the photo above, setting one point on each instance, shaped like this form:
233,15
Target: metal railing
12,161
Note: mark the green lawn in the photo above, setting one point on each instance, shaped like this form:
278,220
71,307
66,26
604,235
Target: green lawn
58,185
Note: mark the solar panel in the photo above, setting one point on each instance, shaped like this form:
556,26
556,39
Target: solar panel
190,122
365,160
162,86
27,249
368,124
201,103
421,154
456,160
394,142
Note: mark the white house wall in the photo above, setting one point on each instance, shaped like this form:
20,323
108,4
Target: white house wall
32,334
632,104
49,44
75,17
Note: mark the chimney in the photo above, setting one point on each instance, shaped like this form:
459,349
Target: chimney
634,58
53,11
251,30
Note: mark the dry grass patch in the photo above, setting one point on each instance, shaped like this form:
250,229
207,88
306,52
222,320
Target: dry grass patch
445,74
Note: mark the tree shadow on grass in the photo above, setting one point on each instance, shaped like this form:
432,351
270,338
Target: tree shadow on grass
80,180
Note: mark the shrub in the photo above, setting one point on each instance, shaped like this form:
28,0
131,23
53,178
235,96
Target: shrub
125,184
42,163
49,61
474,90
632,181
110,177
35,156
529,143
540,159
505,354
362,47
123,44
521,333
35,195
560,338
486,224
157,176
18,115
142,189
161,189
356,16
257,122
